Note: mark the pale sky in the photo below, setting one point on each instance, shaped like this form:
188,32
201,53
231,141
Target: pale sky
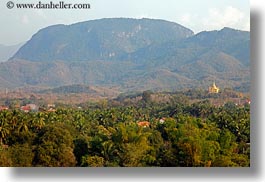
18,25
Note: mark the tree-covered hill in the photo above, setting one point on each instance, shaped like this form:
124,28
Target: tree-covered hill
104,39
132,54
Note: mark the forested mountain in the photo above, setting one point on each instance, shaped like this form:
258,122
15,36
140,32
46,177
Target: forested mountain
132,54
103,39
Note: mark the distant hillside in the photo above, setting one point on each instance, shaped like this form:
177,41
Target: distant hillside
130,54
77,88
233,42
7,52
102,39
177,53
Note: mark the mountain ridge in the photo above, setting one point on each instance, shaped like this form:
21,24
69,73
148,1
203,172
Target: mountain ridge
132,54
98,39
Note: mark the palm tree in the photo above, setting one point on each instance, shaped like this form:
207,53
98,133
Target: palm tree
38,121
108,149
4,127
23,124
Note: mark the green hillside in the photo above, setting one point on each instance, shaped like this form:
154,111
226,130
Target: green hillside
132,54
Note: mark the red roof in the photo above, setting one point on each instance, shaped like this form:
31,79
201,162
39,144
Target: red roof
25,108
143,123
3,108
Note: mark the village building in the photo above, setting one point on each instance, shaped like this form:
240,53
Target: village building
162,120
2,108
25,108
143,124
51,110
29,107
50,105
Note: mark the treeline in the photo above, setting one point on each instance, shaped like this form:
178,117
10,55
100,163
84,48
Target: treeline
178,134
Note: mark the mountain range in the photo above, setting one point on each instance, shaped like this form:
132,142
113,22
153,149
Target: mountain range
132,55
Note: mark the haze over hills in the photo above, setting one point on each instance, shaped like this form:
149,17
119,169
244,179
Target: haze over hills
8,51
130,54
103,39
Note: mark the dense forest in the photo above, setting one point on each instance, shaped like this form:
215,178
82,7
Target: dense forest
126,133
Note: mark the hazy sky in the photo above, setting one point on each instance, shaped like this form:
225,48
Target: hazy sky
18,25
